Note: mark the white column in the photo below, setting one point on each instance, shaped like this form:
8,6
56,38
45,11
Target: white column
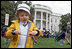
46,21
50,22
35,18
41,20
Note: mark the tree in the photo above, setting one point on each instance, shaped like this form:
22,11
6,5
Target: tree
29,3
8,7
64,20
16,4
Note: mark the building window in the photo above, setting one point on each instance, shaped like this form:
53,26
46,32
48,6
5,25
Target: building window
48,17
33,5
44,22
44,15
38,23
38,15
51,20
51,27
55,20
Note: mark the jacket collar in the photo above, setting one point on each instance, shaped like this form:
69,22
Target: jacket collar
16,21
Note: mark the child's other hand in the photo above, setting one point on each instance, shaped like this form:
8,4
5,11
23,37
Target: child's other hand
17,32
33,33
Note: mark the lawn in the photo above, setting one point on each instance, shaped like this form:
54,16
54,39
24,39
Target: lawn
49,43
42,43
2,43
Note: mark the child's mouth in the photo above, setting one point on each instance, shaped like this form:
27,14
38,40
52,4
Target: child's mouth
24,19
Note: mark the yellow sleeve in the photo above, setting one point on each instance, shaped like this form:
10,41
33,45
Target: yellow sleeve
35,28
8,33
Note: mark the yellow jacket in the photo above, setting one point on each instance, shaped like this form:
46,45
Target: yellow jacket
15,38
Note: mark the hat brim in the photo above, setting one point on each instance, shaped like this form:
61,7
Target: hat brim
24,10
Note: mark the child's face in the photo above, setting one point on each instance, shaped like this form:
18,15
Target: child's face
23,16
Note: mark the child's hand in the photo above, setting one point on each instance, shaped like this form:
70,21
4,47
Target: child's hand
33,33
17,32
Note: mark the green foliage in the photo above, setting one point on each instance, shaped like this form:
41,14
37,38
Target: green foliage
7,8
3,44
64,19
29,4
32,13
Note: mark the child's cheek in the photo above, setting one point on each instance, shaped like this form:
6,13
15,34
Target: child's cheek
26,18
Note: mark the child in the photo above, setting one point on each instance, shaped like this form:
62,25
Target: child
22,29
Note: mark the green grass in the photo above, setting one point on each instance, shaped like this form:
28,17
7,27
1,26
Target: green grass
49,43
2,43
42,43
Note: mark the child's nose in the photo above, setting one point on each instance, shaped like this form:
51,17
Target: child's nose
24,17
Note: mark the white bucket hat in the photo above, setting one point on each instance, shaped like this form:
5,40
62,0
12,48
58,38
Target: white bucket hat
23,7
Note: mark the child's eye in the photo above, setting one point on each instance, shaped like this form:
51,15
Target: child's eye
26,15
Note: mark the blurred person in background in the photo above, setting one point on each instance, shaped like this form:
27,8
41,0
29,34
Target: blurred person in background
68,33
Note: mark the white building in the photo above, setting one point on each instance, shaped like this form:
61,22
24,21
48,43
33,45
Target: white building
55,21
45,18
